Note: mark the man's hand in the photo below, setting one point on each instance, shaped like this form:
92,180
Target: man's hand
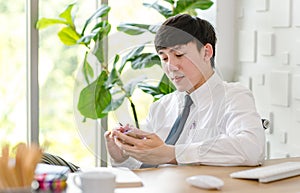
113,149
145,147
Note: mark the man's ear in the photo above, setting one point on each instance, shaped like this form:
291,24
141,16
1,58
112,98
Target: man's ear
208,51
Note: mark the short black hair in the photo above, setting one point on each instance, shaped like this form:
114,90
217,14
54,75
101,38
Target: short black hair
184,28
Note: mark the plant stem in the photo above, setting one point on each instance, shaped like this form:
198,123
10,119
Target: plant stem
132,107
134,114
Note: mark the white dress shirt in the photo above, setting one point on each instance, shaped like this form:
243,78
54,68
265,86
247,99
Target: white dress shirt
223,127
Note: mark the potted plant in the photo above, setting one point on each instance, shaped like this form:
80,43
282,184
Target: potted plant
98,97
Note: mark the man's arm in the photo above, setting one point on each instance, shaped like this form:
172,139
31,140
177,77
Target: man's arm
243,143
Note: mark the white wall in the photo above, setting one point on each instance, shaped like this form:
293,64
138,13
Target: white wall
262,41
226,46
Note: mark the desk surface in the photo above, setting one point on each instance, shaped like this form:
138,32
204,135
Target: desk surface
172,180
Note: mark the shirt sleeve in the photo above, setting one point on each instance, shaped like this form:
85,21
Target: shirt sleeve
243,143
130,163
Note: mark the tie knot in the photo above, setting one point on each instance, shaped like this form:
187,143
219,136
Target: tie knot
188,101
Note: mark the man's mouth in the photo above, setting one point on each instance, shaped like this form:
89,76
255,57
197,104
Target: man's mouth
177,78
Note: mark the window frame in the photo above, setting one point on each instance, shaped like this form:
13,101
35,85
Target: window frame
32,85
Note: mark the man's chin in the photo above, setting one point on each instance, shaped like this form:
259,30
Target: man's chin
184,88
181,89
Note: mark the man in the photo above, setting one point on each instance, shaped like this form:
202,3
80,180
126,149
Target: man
223,126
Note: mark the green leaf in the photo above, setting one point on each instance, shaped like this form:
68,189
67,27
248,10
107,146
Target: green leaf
68,36
94,98
101,30
67,14
164,87
115,104
87,70
145,60
113,78
170,1
192,12
152,90
99,52
133,53
188,5
86,39
117,57
161,9
66,19
46,22
136,29
101,12
131,85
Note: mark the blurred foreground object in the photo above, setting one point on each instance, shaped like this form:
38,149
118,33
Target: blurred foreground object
50,178
19,171
50,159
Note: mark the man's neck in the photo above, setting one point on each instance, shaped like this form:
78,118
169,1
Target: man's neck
200,83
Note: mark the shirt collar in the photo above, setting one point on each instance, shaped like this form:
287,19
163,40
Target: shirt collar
204,93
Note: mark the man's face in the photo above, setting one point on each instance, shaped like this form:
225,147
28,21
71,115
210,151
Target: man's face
185,66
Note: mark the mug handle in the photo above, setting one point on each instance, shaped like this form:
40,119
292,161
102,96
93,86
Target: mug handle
76,181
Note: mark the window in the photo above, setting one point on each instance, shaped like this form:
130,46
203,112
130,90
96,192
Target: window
12,72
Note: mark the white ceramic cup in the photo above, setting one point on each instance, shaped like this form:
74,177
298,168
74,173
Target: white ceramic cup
95,181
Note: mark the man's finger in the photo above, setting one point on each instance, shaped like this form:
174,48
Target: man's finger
107,133
125,138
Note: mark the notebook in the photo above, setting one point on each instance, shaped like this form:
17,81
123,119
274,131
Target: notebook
124,176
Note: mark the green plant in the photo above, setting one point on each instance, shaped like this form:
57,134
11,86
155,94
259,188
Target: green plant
106,92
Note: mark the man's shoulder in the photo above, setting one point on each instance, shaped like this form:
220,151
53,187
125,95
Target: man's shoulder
235,87
237,91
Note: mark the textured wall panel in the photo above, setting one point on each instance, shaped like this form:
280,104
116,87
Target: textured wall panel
259,79
281,13
265,43
279,85
296,53
283,136
296,12
285,58
296,87
247,46
262,5
297,115
245,81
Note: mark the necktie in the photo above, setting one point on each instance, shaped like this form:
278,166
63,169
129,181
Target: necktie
176,128
180,121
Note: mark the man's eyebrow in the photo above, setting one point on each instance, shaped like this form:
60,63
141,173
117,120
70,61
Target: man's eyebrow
177,47
172,49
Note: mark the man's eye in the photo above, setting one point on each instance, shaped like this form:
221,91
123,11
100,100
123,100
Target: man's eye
164,59
179,55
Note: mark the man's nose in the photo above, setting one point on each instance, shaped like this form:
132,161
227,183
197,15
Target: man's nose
172,64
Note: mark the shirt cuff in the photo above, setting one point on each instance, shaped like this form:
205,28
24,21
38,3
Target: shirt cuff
187,153
130,163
